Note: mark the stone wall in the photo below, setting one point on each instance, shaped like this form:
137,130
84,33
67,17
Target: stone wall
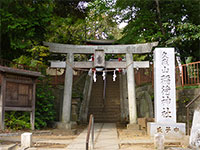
58,92
183,97
145,93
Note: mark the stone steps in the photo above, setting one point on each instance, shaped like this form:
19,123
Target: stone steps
110,111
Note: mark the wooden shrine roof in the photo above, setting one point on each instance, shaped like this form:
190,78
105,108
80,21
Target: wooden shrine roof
19,71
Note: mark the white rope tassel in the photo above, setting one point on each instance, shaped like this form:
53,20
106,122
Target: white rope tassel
95,76
104,75
114,75
90,72
124,71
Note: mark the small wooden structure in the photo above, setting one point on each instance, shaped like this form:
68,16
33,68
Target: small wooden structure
17,92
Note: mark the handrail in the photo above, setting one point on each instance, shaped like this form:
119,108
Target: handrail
90,127
187,107
192,101
188,74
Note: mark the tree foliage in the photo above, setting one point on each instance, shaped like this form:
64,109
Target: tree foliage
164,21
100,21
23,24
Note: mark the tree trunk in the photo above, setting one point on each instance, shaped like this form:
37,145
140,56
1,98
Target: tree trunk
159,17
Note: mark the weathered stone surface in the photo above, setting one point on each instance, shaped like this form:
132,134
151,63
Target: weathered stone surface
66,109
26,140
132,48
195,131
164,87
142,122
147,88
159,141
132,126
62,125
170,131
164,95
131,90
145,106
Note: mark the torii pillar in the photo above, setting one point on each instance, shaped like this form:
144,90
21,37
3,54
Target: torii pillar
131,89
66,109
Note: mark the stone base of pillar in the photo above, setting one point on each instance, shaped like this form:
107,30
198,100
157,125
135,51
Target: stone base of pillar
133,126
134,129
62,125
170,130
83,118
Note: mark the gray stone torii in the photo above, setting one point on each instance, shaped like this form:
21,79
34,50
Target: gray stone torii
70,50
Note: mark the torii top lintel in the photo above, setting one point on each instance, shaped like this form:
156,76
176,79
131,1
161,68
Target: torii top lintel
109,49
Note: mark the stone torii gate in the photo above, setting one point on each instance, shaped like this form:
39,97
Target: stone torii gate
99,61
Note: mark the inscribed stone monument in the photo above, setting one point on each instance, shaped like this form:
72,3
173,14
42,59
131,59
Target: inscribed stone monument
164,93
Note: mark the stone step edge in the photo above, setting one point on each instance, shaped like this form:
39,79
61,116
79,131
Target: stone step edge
147,141
8,147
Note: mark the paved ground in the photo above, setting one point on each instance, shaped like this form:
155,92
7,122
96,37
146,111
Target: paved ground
105,138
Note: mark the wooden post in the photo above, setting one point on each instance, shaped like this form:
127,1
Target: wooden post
2,99
32,113
66,111
131,89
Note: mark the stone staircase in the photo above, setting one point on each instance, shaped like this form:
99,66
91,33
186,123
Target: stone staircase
109,110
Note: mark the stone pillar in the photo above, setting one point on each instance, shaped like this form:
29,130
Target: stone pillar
125,96
164,96
121,98
131,89
66,110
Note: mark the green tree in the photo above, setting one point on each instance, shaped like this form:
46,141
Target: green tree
161,20
100,21
23,24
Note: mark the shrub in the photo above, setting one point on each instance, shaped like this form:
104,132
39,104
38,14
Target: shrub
45,111
17,120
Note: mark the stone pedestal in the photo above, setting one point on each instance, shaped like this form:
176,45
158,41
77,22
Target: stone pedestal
26,140
62,125
170,131
133,126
